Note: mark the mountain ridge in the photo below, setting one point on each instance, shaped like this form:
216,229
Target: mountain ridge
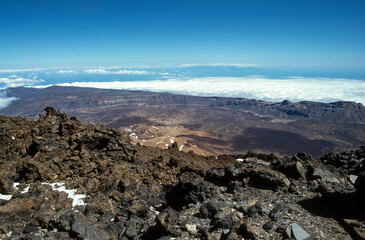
306,109
220,124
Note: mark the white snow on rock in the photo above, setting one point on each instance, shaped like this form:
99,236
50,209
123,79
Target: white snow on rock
25,190
239,160
5,197
172,140
59,186
134,135
77,198
181,147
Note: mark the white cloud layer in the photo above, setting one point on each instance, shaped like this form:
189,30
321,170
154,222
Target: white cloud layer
294,88
218,64
104,71
15,81
4,100
21,70
66,71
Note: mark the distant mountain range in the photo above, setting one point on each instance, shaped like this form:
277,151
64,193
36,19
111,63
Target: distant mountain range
205,125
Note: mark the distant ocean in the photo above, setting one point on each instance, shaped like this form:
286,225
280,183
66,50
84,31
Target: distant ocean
226,80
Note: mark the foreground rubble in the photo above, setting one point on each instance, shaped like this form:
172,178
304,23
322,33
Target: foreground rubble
136,192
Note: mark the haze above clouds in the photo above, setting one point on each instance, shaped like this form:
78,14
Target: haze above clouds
103,71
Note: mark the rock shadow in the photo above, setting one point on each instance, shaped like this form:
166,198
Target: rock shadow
338,206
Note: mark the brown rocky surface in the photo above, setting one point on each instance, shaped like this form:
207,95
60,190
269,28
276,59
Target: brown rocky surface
138,192
205,125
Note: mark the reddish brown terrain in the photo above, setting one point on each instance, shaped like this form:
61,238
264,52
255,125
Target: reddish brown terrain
205,125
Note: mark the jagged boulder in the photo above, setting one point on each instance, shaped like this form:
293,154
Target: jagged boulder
256,174
191,188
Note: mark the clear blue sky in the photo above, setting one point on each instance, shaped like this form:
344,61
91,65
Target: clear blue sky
271,33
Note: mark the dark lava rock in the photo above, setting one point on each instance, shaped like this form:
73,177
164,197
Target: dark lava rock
210,209
294,170
85,230
284,230
268,225
225,220
168,219
191,188
360,183
268,180
138,208
318,172
256,210
351,161
279,210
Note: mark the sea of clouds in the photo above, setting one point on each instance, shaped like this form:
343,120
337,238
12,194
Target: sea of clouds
4,100
13,81
294,88
185,81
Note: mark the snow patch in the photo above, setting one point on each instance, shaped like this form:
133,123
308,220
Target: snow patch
239,160
77,198
181,147
25,190
134,135
59,186
4,100
5,197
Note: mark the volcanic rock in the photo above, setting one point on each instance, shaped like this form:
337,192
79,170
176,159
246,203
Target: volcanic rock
137,192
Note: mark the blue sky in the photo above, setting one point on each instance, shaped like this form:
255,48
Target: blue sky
285,34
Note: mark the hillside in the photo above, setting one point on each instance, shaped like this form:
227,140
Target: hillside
205,125
128,191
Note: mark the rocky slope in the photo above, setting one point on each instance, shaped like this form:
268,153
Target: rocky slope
138,192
